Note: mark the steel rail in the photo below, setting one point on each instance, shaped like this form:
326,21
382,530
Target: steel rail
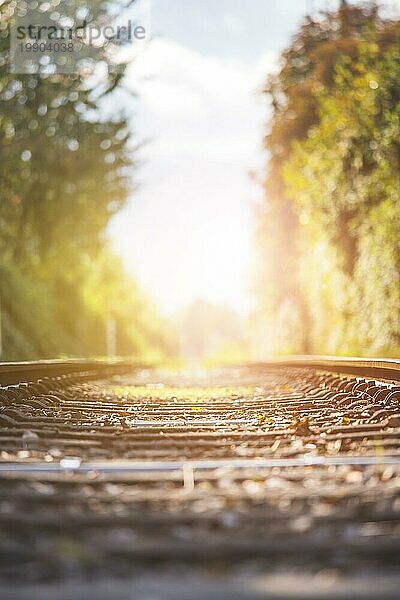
74,465
13,373
375,368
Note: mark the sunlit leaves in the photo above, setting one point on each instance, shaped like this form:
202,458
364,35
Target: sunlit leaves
329,233
345,176
65,169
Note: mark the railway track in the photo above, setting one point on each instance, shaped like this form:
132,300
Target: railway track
274,480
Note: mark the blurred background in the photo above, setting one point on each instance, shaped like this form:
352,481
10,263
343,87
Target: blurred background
230,192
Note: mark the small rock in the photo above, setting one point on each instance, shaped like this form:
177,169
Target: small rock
354,476
28,438
302,524
70,463
394,420
301,425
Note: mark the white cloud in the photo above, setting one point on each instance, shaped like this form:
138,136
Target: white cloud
186,97
187,233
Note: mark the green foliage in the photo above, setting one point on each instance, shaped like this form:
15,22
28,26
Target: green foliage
64,171
61,163
339,178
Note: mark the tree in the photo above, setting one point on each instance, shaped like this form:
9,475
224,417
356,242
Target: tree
65,169
345,183
309,70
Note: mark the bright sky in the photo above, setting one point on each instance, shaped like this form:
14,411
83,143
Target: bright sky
187,232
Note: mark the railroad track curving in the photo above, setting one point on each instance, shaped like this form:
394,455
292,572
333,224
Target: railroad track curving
258,481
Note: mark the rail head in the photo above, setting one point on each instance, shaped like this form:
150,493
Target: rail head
373,368
13,373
